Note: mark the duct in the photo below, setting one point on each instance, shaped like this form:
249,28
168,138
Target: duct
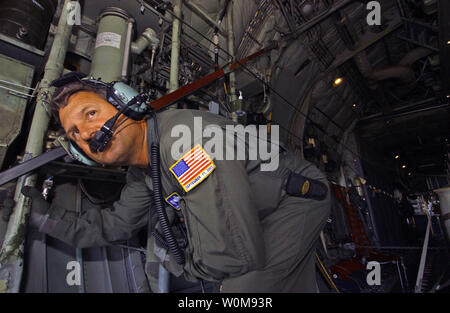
148,37
374,76
110,46
414,55
402,71
405,74
429,6
11,253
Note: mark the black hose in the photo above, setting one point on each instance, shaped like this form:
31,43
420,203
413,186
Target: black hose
159,239
167,232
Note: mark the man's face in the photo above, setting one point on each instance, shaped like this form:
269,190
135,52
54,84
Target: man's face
85,113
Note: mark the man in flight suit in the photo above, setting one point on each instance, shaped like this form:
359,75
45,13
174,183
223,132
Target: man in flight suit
244,227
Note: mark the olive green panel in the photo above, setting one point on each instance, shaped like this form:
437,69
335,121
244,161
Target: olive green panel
12,104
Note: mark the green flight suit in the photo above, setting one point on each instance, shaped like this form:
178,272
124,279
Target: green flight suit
229,239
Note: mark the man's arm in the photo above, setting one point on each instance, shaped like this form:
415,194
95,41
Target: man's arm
103,227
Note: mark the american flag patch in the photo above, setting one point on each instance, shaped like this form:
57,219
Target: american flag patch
192,168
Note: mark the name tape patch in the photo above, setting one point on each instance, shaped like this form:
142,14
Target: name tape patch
192,168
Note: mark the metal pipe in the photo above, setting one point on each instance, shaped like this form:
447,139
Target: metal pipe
11,253
231,50
418,43
430,108
126,54
423,259
204,16
369,117
175,52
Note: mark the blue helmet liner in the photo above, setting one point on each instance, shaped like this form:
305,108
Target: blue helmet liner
120,95
78,154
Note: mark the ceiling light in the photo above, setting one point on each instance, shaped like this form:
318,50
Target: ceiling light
338,81
354,105
448,42
397,156
403,166
409,174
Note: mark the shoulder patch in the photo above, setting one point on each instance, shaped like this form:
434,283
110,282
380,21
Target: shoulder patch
192,168
174,200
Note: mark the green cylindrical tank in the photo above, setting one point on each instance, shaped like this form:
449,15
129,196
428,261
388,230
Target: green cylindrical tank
110,44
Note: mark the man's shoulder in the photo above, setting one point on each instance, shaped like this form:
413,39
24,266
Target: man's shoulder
186,117
168,114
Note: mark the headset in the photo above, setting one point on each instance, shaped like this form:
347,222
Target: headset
124,98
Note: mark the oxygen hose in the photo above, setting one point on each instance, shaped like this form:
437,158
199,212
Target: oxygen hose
167,232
